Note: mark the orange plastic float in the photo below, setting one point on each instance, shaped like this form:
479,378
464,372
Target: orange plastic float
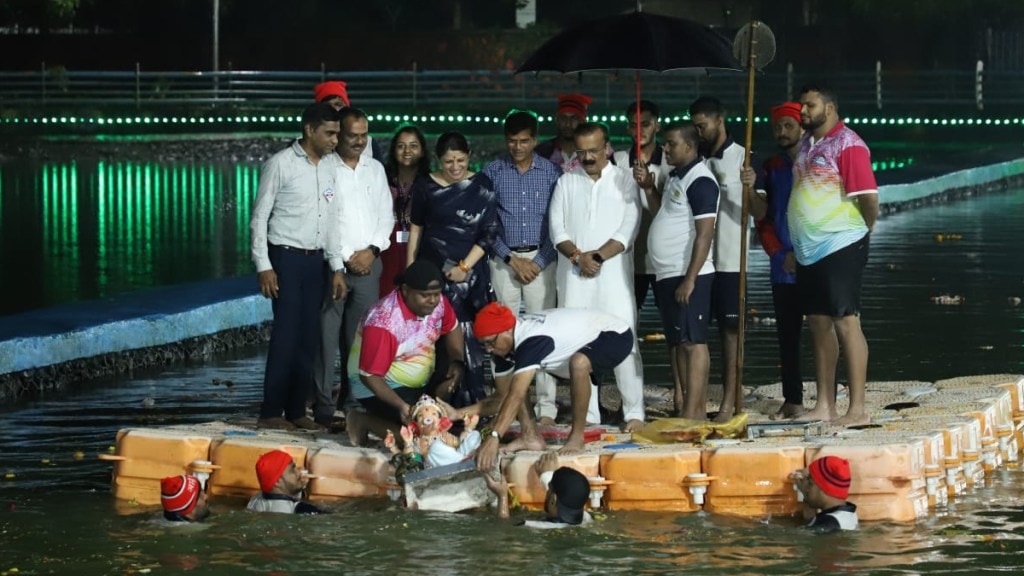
237,458
651,478
144,456
933,442
752,479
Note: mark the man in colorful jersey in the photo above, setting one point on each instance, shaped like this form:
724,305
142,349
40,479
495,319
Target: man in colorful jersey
725,159
832,211
392,357
574,344
523,258
680,248
773,229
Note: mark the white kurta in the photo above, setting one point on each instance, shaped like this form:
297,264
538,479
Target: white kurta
589,214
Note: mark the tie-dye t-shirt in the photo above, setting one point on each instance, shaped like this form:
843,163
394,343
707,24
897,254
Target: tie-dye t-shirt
396,344
824,216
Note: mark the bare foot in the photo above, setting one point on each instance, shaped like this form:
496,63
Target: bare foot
545,421
572,447
523,443
358,432
723,416
859,419
787,411
820,413
633,426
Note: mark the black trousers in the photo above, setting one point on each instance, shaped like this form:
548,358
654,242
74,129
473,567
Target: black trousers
788,326
288,378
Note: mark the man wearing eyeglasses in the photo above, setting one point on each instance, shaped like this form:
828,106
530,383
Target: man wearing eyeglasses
594,217
523,258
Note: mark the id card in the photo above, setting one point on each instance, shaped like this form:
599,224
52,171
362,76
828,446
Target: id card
328,193
402,236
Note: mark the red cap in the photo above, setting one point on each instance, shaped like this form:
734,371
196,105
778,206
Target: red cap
832,475
574,104
493,319
270,467
179,493
791,109
328,89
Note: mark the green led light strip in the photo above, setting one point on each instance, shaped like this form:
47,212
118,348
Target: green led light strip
265,119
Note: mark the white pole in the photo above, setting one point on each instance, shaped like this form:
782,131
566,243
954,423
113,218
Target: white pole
878,84
979,76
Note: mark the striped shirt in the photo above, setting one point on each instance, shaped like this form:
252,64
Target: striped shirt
523,200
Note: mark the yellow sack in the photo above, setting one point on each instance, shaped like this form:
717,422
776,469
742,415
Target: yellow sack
676,430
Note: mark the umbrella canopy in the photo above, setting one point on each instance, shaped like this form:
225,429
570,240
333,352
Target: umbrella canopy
636,41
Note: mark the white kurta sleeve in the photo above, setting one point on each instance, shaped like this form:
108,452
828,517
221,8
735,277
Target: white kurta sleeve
557,213
630,225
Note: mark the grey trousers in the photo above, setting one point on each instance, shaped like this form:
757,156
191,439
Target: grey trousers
338,323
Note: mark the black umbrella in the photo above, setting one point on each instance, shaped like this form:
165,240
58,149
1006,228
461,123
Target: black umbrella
635,41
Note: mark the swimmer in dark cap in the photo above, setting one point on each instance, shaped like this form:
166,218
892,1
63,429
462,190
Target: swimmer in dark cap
392,357
567,493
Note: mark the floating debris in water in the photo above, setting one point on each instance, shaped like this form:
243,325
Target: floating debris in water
948,237
1013,301
148,402
947,300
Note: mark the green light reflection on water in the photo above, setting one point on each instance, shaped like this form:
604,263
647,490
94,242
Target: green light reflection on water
126,225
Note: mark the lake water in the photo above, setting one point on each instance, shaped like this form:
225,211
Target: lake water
188,223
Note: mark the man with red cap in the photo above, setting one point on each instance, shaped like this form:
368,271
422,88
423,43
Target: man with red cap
281,486
575,344
825,485
335,93
770,213
183,499
561,150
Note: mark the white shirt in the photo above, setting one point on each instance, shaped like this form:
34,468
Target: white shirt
661,171
547,340
726,250
674,229
294,204
589,213
365,215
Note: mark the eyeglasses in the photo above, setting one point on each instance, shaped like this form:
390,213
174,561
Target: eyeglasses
590,152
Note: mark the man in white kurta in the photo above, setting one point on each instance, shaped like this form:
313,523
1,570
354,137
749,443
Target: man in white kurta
594,217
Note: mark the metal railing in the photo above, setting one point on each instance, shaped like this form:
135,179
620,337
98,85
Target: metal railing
964,92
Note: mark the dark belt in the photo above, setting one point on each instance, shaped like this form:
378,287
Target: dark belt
303,251
524,248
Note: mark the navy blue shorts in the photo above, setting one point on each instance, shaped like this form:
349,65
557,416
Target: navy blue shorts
606,352
685,322
378,407
831,286
725,299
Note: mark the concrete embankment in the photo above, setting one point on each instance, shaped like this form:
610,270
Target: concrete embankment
48,349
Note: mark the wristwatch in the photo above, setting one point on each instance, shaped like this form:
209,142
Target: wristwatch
375,250
494,434
598,258
507,258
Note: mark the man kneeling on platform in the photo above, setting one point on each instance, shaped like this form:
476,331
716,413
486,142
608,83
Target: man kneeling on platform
825,485
183,499
392,357
577,344
282,484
